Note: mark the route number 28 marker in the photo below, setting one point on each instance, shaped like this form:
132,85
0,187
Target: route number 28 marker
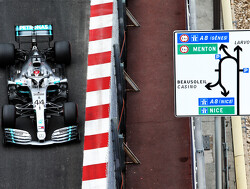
184,38
184,49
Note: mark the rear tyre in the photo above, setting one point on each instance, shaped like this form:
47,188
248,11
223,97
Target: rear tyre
70,113
7,54
62,52
8,116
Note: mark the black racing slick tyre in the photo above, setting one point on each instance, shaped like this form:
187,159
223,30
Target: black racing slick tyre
70,113
8,116
62,52
7,54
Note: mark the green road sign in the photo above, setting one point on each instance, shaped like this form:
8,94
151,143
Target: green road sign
197,49
216,110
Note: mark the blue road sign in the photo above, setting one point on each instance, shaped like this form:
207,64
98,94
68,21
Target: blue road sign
218,56
213,37
204,111
216,101
245,70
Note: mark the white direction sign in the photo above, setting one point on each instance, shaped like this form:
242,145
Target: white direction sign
212,73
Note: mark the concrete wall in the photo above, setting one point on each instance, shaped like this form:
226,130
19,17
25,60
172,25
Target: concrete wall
204,14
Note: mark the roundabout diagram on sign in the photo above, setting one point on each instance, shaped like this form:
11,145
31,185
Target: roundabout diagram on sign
224,91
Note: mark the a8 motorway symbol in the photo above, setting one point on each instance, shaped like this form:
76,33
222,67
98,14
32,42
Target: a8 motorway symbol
184,38
184,49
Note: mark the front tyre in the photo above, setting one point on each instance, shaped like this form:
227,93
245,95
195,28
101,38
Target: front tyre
70,113
62,52
8,116
7,54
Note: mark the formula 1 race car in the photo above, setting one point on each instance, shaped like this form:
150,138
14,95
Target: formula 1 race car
37,89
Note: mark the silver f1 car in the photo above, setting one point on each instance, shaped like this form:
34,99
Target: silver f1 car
37,89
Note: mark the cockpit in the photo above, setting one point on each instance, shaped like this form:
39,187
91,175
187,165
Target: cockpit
36,62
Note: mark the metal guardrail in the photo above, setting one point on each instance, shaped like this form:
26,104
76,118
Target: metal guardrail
122,18
187,15
119,156
118,124
120,82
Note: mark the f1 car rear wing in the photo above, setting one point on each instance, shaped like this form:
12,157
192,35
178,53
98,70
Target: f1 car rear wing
33,31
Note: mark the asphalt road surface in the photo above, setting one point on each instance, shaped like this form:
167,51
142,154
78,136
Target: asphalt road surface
55,166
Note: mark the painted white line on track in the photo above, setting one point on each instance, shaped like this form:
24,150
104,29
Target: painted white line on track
98,71
95,156
100,21
96,98
95,183
98,126
100,46
97,2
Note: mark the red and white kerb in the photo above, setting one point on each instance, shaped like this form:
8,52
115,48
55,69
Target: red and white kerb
96,145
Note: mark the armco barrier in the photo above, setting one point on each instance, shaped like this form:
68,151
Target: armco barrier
120,83
119,91
122,28
119,156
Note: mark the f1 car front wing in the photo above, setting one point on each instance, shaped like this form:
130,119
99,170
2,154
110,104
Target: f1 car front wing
18,136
